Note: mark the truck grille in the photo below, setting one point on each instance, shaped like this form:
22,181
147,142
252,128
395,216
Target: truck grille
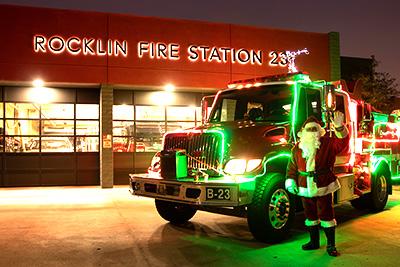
203,149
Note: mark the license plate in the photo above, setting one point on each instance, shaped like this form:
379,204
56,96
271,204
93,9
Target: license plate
218,193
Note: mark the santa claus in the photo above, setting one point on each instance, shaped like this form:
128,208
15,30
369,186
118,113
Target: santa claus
310,176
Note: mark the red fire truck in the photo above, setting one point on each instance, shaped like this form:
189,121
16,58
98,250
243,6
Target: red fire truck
235,162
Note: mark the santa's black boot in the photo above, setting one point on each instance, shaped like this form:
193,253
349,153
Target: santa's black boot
314,238
330,237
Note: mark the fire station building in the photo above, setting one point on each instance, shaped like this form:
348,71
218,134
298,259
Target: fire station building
86,97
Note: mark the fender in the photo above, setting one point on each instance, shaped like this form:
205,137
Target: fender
275,163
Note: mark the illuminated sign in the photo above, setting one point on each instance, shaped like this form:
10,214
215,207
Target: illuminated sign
158,50
74,45
202,53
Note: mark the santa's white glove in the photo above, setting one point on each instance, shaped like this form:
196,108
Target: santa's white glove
338,119
338,122
291,186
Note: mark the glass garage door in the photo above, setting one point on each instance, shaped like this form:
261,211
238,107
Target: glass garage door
49,136
140,120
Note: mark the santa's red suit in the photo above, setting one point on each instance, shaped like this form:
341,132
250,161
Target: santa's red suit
310,175
326,181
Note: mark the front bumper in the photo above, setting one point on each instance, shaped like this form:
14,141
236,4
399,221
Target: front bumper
188,191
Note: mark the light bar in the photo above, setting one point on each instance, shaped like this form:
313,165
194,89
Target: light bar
256,82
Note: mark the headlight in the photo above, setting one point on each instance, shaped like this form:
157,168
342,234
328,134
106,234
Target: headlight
252,164
240,166
236,166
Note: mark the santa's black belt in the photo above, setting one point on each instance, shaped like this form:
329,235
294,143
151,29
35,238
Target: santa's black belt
315,174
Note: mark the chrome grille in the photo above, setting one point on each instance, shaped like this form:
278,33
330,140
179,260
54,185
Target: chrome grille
203,149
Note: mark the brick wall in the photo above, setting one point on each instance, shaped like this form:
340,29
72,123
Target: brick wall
334,55
106,154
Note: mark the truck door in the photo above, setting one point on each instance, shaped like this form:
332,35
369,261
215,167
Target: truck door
341,104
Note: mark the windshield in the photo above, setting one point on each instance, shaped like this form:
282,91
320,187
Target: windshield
270,103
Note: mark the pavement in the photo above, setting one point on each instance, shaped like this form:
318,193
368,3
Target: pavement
90,226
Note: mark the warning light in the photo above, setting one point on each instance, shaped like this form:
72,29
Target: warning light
330,103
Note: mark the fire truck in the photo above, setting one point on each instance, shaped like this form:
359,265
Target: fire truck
235,162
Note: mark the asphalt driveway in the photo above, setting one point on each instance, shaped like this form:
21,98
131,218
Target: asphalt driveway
89,226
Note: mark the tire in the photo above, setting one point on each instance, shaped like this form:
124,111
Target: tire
379,190
272,211
377,199
176,213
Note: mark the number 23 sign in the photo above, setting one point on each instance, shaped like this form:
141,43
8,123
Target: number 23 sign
286,58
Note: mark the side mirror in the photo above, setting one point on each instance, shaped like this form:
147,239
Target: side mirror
206,101
204,110
330,99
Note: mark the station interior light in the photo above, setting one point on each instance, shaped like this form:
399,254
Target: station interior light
169,87
40,94
38,83
162,98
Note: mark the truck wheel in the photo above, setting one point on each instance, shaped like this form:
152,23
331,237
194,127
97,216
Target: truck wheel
176,213
271,213
377,199
379,190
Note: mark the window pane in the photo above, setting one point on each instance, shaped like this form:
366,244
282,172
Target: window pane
57,111
87,111
149,135
150,113
123,128
22,110
57,144
1,110
57,127
87,128
123,144
314,106
22,144
198,113
22,127
180,113
87,144
123,112
175,126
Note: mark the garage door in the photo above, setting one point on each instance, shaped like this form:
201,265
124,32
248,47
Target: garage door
49,136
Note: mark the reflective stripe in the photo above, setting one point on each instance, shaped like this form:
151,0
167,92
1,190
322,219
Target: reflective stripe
327,224
322,191
308,222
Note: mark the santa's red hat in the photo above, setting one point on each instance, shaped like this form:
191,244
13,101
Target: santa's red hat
311,119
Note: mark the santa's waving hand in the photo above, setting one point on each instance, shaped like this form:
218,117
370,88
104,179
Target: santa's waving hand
338,123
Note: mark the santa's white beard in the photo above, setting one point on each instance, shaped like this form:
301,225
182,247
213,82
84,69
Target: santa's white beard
309,143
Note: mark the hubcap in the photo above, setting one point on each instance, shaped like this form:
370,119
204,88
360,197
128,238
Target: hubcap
382,188
279,208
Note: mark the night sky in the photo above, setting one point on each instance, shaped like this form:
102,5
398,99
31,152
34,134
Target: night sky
366,27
